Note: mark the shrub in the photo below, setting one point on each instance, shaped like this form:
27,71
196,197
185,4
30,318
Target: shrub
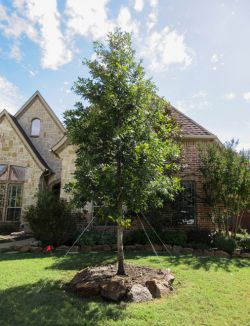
7,228
202,236
50,219
171,237
245,244
97,238
174,237
139,237
225,243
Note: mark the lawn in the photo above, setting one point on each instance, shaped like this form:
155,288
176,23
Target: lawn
209,291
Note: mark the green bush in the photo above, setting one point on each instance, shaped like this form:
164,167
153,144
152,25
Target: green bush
174,237
225,243
245,244
171,237
139,237
202,236
7,228
94,237
51,219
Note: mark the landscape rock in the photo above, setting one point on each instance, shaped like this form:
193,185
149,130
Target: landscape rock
114,290
167,248
88,289
139,293
220,253
236,254
199,252
245,255
101,248
36,243
66,248
85,248
36,249
187,250
156,247
176,249
139,247
158,289
208,252
130,247
25,248
104,281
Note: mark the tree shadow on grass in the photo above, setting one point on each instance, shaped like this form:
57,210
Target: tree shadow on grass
196,262
51,304
79,261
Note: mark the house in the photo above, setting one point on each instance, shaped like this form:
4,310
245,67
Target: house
35,155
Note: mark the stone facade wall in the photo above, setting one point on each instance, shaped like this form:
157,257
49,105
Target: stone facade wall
14,152
67,156
50,134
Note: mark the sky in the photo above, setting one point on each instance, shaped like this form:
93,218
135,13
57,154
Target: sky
197,52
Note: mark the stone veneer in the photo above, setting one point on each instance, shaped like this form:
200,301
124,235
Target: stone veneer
14,152
50,134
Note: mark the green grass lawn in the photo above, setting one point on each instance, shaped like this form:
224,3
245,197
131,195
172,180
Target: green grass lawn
209,291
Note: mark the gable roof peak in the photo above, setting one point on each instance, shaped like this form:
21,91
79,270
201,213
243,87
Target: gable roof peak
46,105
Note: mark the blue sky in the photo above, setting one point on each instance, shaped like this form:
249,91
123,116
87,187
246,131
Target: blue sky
196,51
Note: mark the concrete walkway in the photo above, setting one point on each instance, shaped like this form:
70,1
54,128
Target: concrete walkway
24,242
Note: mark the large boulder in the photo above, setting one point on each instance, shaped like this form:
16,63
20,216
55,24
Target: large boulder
114,290
139,293
158,288
87,289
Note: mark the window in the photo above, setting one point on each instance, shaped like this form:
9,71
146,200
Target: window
14,202
2,197
3,172
35,127
186,202
11,188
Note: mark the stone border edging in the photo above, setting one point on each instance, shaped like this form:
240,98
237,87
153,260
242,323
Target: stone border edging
138,247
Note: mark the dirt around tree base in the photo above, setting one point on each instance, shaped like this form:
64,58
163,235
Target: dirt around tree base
138,285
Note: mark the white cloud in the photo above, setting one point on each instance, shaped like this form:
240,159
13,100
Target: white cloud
153,3
164,48
125,21
138,5
246,96
215,58
200,94
88,18
192,105
54,51
15,52
40,22
9,95
229,97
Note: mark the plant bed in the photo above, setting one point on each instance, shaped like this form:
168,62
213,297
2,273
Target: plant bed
138,285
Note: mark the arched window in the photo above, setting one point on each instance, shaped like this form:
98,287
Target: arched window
35,127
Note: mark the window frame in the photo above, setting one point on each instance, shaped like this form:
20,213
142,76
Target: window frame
32,133
7,183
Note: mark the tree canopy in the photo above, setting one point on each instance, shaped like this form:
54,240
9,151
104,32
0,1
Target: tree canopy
226,184
126,137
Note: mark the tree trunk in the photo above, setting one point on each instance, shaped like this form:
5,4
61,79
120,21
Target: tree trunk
120,253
